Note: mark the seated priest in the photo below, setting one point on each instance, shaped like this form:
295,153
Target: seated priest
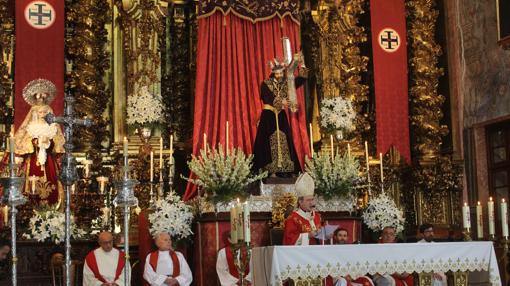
303,225
225,265
395,279
427,231
165,266
341,236
105,265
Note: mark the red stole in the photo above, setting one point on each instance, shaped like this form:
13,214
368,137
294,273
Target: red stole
91,261
296,224
153,261
231,264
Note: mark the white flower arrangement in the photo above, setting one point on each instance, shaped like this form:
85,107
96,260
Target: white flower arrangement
333,177
337,113
144,108
382,212
223,175
49,225
173,216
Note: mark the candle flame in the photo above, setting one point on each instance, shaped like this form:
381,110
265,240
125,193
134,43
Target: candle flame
503,200
465,204
490,199
478,203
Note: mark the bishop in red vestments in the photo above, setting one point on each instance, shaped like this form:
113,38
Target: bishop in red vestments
105,265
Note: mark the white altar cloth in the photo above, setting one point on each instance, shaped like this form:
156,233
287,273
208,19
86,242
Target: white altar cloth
274,264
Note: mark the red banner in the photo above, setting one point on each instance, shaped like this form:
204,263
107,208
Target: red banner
390,75
39,50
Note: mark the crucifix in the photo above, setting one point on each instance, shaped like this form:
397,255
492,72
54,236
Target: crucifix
68,175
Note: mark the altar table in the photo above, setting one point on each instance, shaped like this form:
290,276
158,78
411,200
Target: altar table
273,265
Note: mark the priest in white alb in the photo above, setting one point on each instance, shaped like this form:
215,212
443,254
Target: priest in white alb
104,266
165,266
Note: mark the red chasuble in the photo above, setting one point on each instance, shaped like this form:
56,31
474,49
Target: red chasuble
90,259
153,261
296,224
232,269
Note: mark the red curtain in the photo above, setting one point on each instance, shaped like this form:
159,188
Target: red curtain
232,62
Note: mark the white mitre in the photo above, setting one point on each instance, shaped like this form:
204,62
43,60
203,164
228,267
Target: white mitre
304,185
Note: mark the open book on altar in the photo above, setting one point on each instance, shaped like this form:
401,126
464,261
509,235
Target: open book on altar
326,232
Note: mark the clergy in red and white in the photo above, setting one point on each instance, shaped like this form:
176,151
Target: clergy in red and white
226,268
104,266
165,266
304,223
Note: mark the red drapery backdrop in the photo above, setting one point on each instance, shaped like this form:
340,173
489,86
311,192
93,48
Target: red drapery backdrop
232,62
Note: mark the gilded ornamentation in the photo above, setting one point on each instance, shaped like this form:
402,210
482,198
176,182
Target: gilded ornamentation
426,103
6,57
285,164
342,63
177,83
89,58
283,204
142,27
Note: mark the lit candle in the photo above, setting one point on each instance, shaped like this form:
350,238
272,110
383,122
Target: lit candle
504,219
311,140
382,172
490,210
125,149
332,148
366,157
152,166
205,143
349,150
240,229
479,221
466,216
233,224
226,140
246,219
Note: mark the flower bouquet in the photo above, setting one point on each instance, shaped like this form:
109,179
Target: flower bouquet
382,212
49,225
333,177
337,114
144,109
223,175
171,215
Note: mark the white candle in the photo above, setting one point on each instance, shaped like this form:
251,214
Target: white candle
490,210
125,145
349,150
332,147
11,149
466,216
233,224
504,219
479,220
152,166
205,143
87,164
240,229
160,155
311,140
102,182
382,172
171,145
226,140
33,179
246,219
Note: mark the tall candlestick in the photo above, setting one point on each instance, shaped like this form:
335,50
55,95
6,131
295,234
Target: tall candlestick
160,156
490,210
332,147
311,140
152,166
246,219
382,172
233,224
349,150
479,221
466,221
504,219
226,139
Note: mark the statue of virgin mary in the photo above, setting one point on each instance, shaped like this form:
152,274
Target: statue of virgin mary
38,143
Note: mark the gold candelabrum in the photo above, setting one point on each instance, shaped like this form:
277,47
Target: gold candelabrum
242,255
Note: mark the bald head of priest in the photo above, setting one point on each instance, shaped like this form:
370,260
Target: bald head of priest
105,265
166,266
304,223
